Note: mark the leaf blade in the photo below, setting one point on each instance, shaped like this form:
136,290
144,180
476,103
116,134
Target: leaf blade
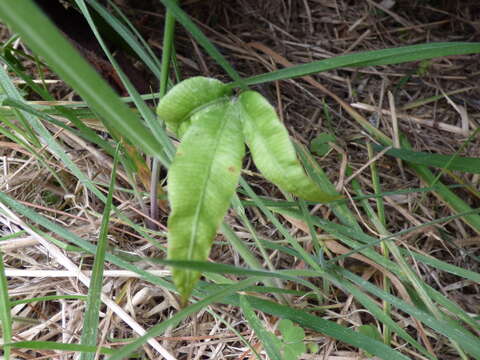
187,96
201,182
368,58
272,150
270,342
451,162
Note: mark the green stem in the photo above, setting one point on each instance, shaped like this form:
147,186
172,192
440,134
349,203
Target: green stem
168,37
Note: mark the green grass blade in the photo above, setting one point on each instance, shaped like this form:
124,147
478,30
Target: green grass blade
242,249
455,202
291,275
84,131
47,138
5,306
453,331
157,131
442,265
269,340
134,40
459,163
91,318
368,58
42,36
203,40
329,328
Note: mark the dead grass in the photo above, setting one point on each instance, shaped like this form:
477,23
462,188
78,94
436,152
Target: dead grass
298,31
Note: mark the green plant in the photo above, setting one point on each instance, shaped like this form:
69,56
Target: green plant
320,145
435,314
213,126
292,343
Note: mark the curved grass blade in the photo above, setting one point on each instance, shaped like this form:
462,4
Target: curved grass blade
450,162
329,328
203,40
42,36
272,150
5,315
129,35
91,319
368,58
37,218
147,114
179,103
448,327
444,266
201,182
270,342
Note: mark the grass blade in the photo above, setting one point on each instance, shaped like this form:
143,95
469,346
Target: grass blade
329,328
450,162
269,341
368,58
133,40
77,240
42,36
5,306
185,20
91,318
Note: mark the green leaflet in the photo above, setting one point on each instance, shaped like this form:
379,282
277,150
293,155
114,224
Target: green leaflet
272,150
184,98
201,182
206,168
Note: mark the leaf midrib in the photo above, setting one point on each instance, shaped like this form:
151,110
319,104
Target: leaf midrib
200,206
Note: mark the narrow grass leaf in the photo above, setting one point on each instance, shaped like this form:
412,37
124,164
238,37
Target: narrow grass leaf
91,318
339,208
459,163
147,114
84,131
458,204
77,240
5,315
329,328
368,58
134,40
270,342
203,40
449,328
42,36
294,276
46,137
442,265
